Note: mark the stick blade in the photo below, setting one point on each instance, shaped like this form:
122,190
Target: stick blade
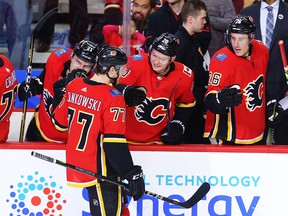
197,196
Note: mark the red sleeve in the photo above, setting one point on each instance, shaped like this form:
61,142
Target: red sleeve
140,38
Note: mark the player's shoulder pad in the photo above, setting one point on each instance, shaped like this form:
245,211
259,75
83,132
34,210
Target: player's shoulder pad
61,51
220,57
137,57
114,92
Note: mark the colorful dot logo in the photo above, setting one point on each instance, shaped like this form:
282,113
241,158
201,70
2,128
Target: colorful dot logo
36,195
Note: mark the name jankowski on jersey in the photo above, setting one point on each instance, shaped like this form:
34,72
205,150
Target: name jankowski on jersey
84,101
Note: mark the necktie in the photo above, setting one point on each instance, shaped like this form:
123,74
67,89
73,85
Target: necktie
269,26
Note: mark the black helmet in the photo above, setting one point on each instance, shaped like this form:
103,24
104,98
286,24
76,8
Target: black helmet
86,50
166,44
110,56
241,25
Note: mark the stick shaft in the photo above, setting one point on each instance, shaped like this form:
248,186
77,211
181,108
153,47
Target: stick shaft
38,26
196,197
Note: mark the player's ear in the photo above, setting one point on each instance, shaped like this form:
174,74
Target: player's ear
173,58
251,37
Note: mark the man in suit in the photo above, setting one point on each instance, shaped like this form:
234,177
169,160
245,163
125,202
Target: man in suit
276,80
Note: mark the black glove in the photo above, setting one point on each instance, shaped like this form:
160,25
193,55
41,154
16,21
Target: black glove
29,90
174,134
75,73
136,182
59,90
229,96
134,95
274,118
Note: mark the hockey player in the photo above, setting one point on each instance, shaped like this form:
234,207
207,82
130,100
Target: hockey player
236,90
162,116
93,112
8,89
61,62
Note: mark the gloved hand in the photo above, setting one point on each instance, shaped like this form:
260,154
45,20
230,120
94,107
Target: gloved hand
29,90
176,131
59,90
73,74
136,182
274,118
134,95
229,96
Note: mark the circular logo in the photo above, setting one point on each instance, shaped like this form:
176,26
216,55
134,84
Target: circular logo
36,195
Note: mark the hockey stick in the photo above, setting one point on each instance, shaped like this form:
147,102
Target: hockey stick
38,26
168,106
195,198
271,139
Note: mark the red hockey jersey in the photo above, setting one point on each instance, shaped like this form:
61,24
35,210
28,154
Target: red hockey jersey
8,89
54,67
94,115
147,120
245,123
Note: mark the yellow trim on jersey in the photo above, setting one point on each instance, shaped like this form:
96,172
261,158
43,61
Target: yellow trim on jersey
229,126
42,134
144,143
112,6
103,157
100,196
81,184
114,140
183,105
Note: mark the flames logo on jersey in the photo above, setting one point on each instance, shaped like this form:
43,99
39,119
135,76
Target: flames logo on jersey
152,111
48,100
254,92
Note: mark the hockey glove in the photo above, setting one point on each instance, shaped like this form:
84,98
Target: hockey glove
229,96
136,186
274,114
29,90
134,95
173,133
75,73
59,91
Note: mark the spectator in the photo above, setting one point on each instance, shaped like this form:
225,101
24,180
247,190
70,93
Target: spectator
20,52
8,89
8,19
140,11
113,36
167,19
104,149
78,22
193,15
221,13
236,90
161,117
276,80
60,64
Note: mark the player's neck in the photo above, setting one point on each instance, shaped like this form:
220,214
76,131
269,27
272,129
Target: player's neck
101,78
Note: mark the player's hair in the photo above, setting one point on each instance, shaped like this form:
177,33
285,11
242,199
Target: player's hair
166,44
86,51
110,56
241,25
192,8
